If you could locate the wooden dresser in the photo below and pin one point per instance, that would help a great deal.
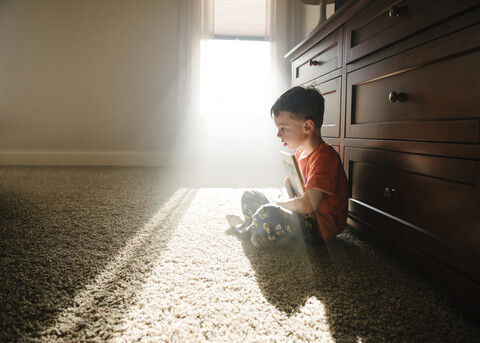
(401, 80)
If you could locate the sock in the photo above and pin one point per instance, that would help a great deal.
(233, 220)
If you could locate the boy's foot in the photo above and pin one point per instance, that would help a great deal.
(233, 220)
(262, 241)
(259, 241)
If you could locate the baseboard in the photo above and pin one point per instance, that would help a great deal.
(84, 158)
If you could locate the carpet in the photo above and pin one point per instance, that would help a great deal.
(144, 255)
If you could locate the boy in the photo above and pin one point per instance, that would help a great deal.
(321, 213)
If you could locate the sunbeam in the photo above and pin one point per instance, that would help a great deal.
(110, 293)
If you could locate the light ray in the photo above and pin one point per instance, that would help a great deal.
(115, 276)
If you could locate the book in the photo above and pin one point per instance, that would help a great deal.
(297, 187)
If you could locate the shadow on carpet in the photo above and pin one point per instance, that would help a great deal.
(368, 294)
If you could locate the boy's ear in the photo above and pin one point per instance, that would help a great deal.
(308, 125)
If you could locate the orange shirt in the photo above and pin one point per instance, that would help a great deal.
(323, 169)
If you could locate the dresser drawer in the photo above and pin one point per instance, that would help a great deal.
(331, 91)
(382, 23)
(431, 197)
(429, 97)
(323, 58)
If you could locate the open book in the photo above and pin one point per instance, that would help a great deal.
(293, 172)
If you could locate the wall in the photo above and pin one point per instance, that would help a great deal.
(83, 82)
(308, 17)
(93, 82)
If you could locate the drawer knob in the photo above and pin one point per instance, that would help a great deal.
(390, 193)
(395, 11)
(314, 63)
(394, 97)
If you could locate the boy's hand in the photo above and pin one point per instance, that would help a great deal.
(284, 195)
(287, 186)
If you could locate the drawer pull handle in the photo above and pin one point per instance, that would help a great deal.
(314, 63)
(390, 193)
(396, 11)
(394, 97)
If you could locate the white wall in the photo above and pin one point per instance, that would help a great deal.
(92, 82)
(86, 76)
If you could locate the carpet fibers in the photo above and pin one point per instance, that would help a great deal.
(127, 255)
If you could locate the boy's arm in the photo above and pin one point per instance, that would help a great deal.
(305, 204)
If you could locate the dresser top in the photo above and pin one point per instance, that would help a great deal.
(322, 30)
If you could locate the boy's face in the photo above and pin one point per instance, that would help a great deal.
(290, 130)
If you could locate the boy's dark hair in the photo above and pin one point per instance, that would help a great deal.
(303, 103)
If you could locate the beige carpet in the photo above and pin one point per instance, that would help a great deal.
(127, 254)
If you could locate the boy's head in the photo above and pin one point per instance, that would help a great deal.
(302, 103)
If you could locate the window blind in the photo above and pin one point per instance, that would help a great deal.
(243, 19)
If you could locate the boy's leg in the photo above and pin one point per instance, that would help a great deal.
(251, 201)
(273, 225)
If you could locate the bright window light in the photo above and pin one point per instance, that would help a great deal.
(234, 78)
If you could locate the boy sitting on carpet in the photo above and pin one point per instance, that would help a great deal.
(321, 213)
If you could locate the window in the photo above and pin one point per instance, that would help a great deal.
(247, 19)
(235, 63)
(235, 75)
